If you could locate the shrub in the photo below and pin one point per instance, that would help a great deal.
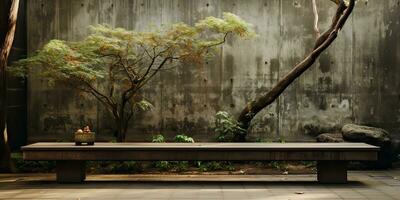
(227, 127)
(158, 139)
(183, 139)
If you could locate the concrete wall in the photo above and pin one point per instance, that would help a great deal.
(356, 80)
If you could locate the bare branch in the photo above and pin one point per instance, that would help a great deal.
(341, 8)
(152, 63)
(154, 72)
(145, 50)
(108, 100)
(315, 12)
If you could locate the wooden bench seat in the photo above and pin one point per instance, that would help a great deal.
(331, 158)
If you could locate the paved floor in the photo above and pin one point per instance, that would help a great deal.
(378, 185)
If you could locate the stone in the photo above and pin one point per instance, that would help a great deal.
(320, 127)
(330, 137)
(374, 136)
(370, 135)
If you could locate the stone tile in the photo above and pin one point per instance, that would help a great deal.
(378, 185)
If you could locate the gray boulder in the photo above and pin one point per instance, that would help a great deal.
(374, 136)
(370, 135)
(330, 137)
(317, 128)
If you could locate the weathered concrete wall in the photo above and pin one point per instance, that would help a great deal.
(356, 80)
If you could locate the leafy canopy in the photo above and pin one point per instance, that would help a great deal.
(126, 60)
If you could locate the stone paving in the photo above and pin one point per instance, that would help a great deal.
(379, 185)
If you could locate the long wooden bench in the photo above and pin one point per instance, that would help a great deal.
(331, 158)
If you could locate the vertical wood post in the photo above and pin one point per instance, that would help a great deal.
(332, 171)
(71, 171)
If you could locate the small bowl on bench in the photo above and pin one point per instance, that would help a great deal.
(84, 137)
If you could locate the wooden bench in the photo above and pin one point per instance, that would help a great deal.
(331, 158)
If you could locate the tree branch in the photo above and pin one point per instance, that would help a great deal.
(315, 12)
(341, 8)
(152, 63)
(322, 43)
(143, 82)
(221, 42)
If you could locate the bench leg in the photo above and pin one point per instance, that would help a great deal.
(332, 171)
(70, 171)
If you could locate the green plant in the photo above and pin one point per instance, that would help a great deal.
(168, 165)
(281, 139)
(105, 167)
(163, 165)
(227, 127)
(183, 139)
(125, 61)
(181, 166)
(31, 166)
(214, 166)
(176, 165)
(158, 139)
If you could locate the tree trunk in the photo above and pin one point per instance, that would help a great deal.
(321, 44)
(121, 128)
(5, 153)
(121, 131)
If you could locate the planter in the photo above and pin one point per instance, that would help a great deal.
(88, 138)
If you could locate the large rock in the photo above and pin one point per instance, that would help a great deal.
(330, 137)
(373, 136)
(370, 135)
(317, 128)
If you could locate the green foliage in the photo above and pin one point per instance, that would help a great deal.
(229, 24)
(281, 139)
(172, 165)
(106, 167)
(115, 54)
(215, 166)
(158, 139)
(181, 166)
(31, 166)
(144, 105)
(163, 165)
(226, 127)
(183, 139)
